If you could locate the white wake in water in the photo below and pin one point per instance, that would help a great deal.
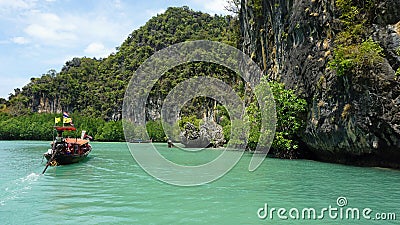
(17, 188)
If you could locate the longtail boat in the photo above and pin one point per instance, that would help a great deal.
(67, 150)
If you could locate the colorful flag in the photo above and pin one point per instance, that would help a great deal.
(65, 115)
(57, 120)
(67, 120)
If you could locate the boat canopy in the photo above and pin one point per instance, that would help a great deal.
(69, 128)
(76, 141)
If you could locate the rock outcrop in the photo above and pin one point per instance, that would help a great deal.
(210, 134)
(352, 119)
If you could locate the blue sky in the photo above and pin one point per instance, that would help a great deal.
(39, 35)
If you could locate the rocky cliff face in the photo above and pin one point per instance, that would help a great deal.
(352, 119)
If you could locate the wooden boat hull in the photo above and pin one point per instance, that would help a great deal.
(65, 159)
(67, 150)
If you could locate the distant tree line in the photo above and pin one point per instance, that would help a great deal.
(39, 126)
(93, 89)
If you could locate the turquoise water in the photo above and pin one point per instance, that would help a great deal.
(110, 188)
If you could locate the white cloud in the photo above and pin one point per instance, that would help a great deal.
(97, 49)
(155, 12)
(94, 48)
(213, 6)
(98, 27)
(49, 35)
(73, 30)
(48, 32)
(16, 4)
(20, 40)
(49, 29)
(118, 4)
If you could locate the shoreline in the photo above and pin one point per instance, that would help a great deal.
(351, 161)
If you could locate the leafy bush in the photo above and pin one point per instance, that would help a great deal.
(189, 119)
(356, 56)
(156, 131)
(111, 131)
(353, 50)
(290, 111)
(39, 126)
(349, 12)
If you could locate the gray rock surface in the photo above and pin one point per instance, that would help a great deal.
(351, 119)
(209, 135)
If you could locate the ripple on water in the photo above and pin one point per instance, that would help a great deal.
(17, 188)
(110, 188)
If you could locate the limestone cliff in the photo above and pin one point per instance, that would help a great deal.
(352, 119)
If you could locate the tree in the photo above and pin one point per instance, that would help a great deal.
(290, 112)
(233, 6)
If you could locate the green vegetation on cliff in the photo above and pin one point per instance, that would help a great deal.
(290, 113)
(93, 89)
(354, 51)
(96, 87)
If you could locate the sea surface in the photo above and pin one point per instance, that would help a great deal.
(111, 188)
